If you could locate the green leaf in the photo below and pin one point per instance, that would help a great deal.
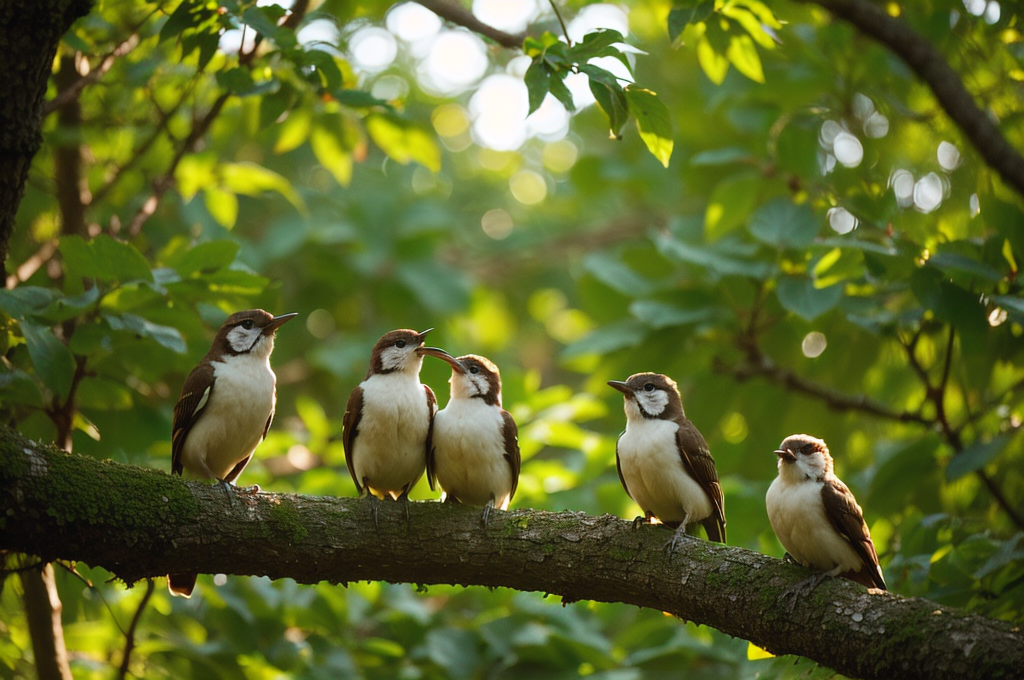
(53, 361)
(274, 104)
(257, 18)
(79, 258)
(18, 387)
(730, 203)
(724, 156)
(435, 286)
(120, 261)
(237, 81)
(743, 54)
(596, 44)
(784, 224)
(251, 179)
(330, 151)
(181, 19)
(664, 315)
(222, 206)
(607, 339)
(453, 650)
(713, 62)
(404, 142)
(538, 82)
(963, 263)
(799, 295)
(25, 300)
(707, 257)
(617, 275)
(562, 93)
(64, 308)
(686, 13)
(653, 121)
(205, 257)
(164, 335)
(975, 457)
(609, 95)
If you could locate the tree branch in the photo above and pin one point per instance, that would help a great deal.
(138, 523)
(43, 609)
(72, 89)
(928, 63)
(457, 14)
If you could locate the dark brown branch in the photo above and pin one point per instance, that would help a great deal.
(139, 523)
(759, 365)
(129, 643)
(72, 89)
(928, 63)
(457, 14)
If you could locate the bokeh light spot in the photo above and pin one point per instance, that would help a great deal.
(320, 323)
(814, 344)
(528, 187)
(841, 220)
(372, 49)
(496, 223)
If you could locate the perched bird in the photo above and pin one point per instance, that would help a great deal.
(389, 420)
(663, 461)
(475, 453)
(226, 407)
(816, 517)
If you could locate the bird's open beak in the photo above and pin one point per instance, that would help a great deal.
(786, 455)
(422, 335)
(621, 387)
(443, 356)
(277, 322)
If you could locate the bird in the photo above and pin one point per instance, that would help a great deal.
(816, 517)
(226, 407)
(663, 461)
(389, 421)
(475, 454)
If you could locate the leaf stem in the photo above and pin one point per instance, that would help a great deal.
(561, 21)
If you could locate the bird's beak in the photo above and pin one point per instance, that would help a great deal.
(621, 387)
(786, 455)
(422, 335)
(443, 356)
(277, 322)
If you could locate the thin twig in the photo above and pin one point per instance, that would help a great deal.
(561, 21)
(70, 93)
(997, 493)
(129, 644)
(457, 14)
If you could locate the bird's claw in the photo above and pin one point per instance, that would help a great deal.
(374, 509)
(804, 588)
(486, 513)
(678, 535)
(639, 521)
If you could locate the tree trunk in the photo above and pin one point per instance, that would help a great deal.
(29, 33)
(137, 523)
(42, 610)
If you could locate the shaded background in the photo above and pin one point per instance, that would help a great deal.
(822, 233)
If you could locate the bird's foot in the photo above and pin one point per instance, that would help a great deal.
(487, 511)
(374, 509)
(805, 588)
(404, 500)
(677, 536)
(789, 559)
(639, 521)
(248, 490)
(230, 490)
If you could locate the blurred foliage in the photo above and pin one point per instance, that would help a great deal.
(829, 224)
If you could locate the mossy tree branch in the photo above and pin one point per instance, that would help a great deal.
(139, 523)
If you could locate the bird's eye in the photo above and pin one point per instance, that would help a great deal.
(400, 344)
(649, 387)
(474, 370)
(807, 448)
(247, 324)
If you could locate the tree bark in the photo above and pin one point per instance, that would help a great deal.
(29, 33)
(138, 523)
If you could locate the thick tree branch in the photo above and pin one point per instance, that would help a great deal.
(139, 523)
(928, 63)
(454, 12)
(42, 610)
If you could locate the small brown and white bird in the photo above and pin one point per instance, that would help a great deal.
(663, 461)
(389, 420)
(226, 407)
(816, 517)
(475, 454)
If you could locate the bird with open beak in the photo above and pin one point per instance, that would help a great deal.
(663, 461)
(226, 407)
(389, 421)
(816, 517)
(475, 454)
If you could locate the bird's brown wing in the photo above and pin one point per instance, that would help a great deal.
(432, 410)
(848, 519)
(511, 434)
(618, 467)
(696, 458)
(195, 394)
(353, 414)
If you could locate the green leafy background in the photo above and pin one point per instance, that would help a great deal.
(700, 244)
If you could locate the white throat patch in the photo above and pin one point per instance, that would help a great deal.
(395, 358)
(652, 403)
(245, 339)
(467, 385)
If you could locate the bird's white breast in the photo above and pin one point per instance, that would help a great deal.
(654, 473)
(469, 452)
(390, 448)
(797, 514)
(231, 425)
